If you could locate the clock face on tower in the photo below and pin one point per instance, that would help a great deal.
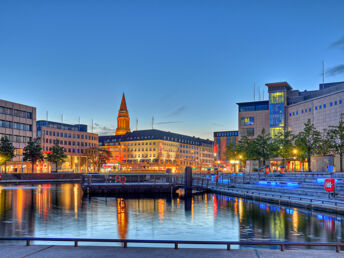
(123, 120)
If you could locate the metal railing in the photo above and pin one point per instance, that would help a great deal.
(176, 243)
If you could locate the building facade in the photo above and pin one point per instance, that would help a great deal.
(73, 138)
(222, 140)
(158, 150)
(289, 109)
(253, 118)
(18, 123)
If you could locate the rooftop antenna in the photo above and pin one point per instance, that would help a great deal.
(62, 118)
(263, 94)
(323, 73)
(92, 125)
(79, 123)
(47, 115)
(259, 92)
(137, 124)
(254, 91)
(152, 122)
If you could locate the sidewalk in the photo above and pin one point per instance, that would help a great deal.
(134, 252)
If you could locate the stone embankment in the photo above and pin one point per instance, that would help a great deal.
(294, 189)
(32, 178)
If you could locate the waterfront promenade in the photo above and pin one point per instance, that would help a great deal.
(134, 252)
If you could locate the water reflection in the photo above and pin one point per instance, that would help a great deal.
(50, 210)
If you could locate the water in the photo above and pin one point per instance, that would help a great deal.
(60, 210)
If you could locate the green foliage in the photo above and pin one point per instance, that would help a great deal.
(284, 141)
(231, 152)
(6, 151)
(264, 147)
(57, 155)
(97, 157)
(33, 152)
(307, 141)
(336, 140)
(324, 145)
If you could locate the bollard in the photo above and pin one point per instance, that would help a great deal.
(337, 248)
(75, 243)
(228, 247)
(175, 245)
(27, 242)
(282, 248)
(125, 245)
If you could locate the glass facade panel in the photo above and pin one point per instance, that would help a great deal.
(277, 112)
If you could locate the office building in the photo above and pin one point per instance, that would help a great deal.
(18, 123)
(74, 138)
(222, 141)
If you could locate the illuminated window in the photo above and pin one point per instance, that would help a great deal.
(247, 121)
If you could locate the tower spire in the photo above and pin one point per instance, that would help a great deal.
(123, 103)
(123, 120)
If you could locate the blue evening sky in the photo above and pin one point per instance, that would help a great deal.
(186, 62)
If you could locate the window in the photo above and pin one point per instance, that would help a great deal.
(306, 110)
(302, 111)
(335, 103)
(316, 108)
(297, 112)
(289, 114)
(247, 121)
(310, 109)
(324, 105)
(320, 107)
(293, 113)
(331, 104)
(248, 132)
(340, 101)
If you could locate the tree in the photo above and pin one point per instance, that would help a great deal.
(97, 157)
(284, 145)
(231, 152)
(6, 151)
(57, 155)
(324, 145)
(307, 141)
(33, 152)
(264, 147)
(336, 137)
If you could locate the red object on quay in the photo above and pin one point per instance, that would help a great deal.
(329, 184)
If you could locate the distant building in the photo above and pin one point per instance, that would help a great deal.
(221, 141)
(18, 123)
(158, 150)
(73, 138)
(154, 149)
(290, 109)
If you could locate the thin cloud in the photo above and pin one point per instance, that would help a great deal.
(338, 44)
(178, 111)
(339, 69)
(169, 122)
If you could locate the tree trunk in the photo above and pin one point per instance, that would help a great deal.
(5, 167)
(341, 161)
(309, 163)
(32, 165)
(56, 167)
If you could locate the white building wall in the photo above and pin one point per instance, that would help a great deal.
(322, 117)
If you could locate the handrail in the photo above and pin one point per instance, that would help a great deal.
(175, 242)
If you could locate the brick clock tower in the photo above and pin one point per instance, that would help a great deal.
(123, 120)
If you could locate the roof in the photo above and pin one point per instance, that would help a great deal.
(123, 103)
(154, 134)
(279, 84)
(260, 102)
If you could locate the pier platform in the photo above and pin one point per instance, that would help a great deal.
(10, 251)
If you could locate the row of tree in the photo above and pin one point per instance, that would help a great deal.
(33, 153)
(303, 145)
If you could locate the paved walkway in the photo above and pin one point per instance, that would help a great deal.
(134, 252)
